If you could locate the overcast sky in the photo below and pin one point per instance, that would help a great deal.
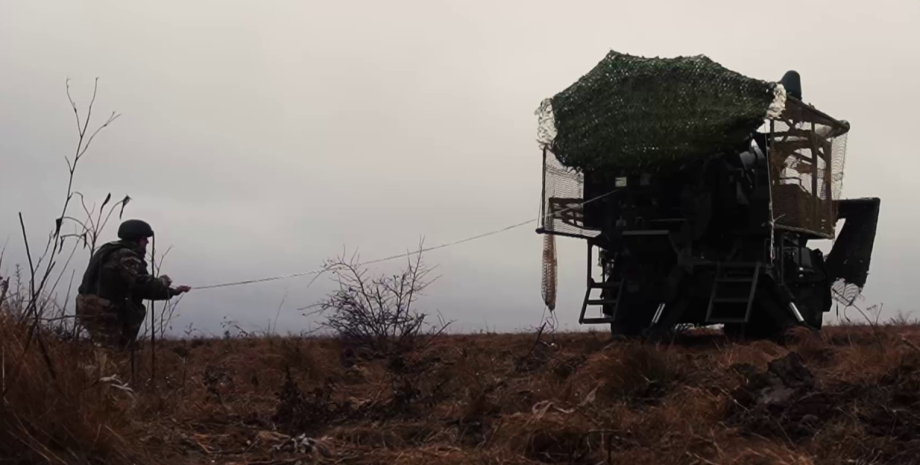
(259, 138)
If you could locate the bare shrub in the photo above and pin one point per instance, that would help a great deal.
(378, 313)
(903, 319)
(53, 406)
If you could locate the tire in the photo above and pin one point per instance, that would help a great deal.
(625, 330)
(768, 320)
(812, 301)
(633, 321)
(815, 319)
(733, 330)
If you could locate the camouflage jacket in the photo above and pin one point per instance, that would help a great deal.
(117, 272)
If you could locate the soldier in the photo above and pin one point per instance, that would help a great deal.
(116, 282)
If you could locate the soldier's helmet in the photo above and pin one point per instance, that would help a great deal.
(134, 229)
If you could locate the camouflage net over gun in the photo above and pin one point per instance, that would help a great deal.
(631, 113)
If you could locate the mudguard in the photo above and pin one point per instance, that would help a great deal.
(848, 262)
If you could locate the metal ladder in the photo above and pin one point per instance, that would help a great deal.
(733, 292)
(611, 287)
(612, 298)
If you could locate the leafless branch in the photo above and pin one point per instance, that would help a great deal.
(109, 121)
(40, 269)
(63, 269)
(377, 313)
(274, 328)
(89, 109)
(25, 239)
(87, 211)
(73, 104)
(872, 324)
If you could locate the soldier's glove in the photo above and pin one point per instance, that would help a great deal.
(174, 291)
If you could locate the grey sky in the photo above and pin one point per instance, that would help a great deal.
(261, 137)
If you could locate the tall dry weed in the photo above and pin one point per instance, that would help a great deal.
(72, 418)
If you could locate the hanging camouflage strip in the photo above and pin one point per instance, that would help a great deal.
(632, 112)
(549, 277)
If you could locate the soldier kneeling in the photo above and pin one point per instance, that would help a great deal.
(116, 282)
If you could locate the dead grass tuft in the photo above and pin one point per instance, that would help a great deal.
(72, 417)
(814, 399)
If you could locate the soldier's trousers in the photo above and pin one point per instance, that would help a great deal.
(110, 325)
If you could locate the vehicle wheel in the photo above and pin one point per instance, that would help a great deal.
(625, 330)
(733, 330)
(811, 306)
(768, 320)
(633, 321)
(815, 319)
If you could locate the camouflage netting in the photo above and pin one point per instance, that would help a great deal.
(549, 278)
(807, 152)
(630, 112)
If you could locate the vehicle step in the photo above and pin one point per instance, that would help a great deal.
(606, 285)
(729, 300)
(734, 280)
(592, 321)
(737, 265)
(725, 320)
(602, 301)
(645, 232)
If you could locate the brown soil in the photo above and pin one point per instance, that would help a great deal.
(850, 395)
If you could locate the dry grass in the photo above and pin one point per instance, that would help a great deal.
(572, 398)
